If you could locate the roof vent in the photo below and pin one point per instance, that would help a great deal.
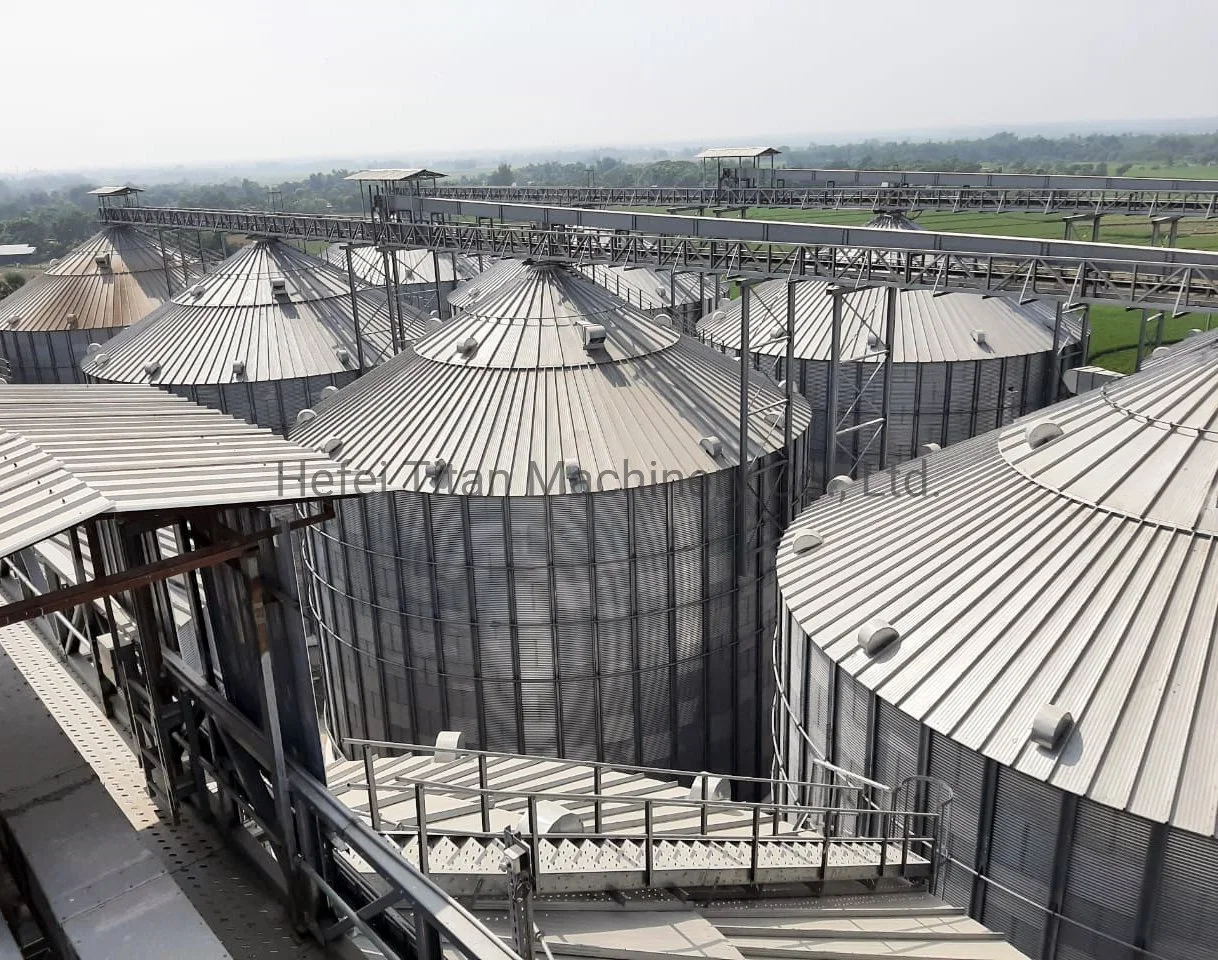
(196, 291)
(474, 293)
(344, 355)
(448, 745)
(665, 318)
(707, 786)
(467, 346)
(805, 540)
(1160, 351)
(979, 337)
(1041, 433)
(1196, 331)
(101, 359)
(92, 349)
(712, 445)
(665, 294)
(102, 260)
(279, 287)
(873, 340)
(408, 272)
(434, 315)
(436, 469)
(73, 321)
(926, 448)
(573, 470)
(876, 635)
(238, 368)
(331, 444)
(327, 392)
(594, 336)
(14, 320)
(552, 818)
(305, 416)
(718, 316)
(1051, 725)
(152, 367)
(838, 483)
(778, 332)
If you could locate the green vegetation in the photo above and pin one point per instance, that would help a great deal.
(10, 282)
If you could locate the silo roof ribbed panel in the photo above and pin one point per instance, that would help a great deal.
(651, 288)
(486, 283)
(414, 266)
(893, 220)
(929, 328)
(112, 448)
(1081, 573)
(81, 292)
(524, 396)
(235, 316)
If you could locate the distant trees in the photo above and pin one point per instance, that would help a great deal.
(10, 282)
(502, 177)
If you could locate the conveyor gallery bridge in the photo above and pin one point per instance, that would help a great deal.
(1067, 271)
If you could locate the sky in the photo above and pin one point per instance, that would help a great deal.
(146, 82)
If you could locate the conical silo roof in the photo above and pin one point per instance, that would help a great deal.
(237, 323)
(113, 279)
(646, 287)
(497, 275)
(507, 393)
(414, 266)
(929, 328)
(1067, 560)
(893, 220)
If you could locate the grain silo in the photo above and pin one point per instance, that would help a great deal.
(1030, 616)
(260, 337)
(567, 558)
(116, 277)
(423, 278)
(683, 296)
(962, 364)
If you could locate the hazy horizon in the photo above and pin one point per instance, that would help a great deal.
(146, 85)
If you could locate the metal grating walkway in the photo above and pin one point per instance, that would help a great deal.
(226, 891)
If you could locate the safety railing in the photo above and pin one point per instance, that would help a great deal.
(885, 837)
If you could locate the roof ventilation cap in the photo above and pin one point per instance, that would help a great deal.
(344, 355)
(1051, 725)
(305, 416)
(1160, 351)
(448, 745)
(665, 318)
(927, 448)
(873, 340)
(279, 287)
(238, 367)
(102, 260)
(712, 445)
(92, 349)
(331, 444)
(707, 786)
(839, 483)
(152, 367)
(552, 818)
(876, 635)
(665, 294)
(467, 346)
(327, 392)
(594, 336)
(1196, 331)
(434, 315)
(408, 272)
(436, 469)
(1041, 433)
(73, 321)
(196, 291)
(718, 316)
(573, 470)
(101, 359)
(778, 332)
(474, 293)
(978, 337)
(805, 540)
(14, 320)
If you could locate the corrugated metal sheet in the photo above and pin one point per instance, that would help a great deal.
(415, 267)
(232, 316)
(396, 173)
(140, 449)
(929, 328)
(646, 287)
(97, 296)
(529, 396)
(1081, 574)
(490, 281)
(710, 153)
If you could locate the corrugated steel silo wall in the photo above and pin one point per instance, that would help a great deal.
(930, 403)
(49, 356)
(1060, 876)
(604, 625)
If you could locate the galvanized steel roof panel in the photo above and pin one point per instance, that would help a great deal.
(1082, 573)
(711, 153)
(396, 173)
(72, 451)
(78, 292)
(530, 397)
(414, 266)
(233, 316)
(929, 328)
(646, 286)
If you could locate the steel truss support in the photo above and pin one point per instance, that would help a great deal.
(1149, 320)
(1172, 223)
(1079, 218)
